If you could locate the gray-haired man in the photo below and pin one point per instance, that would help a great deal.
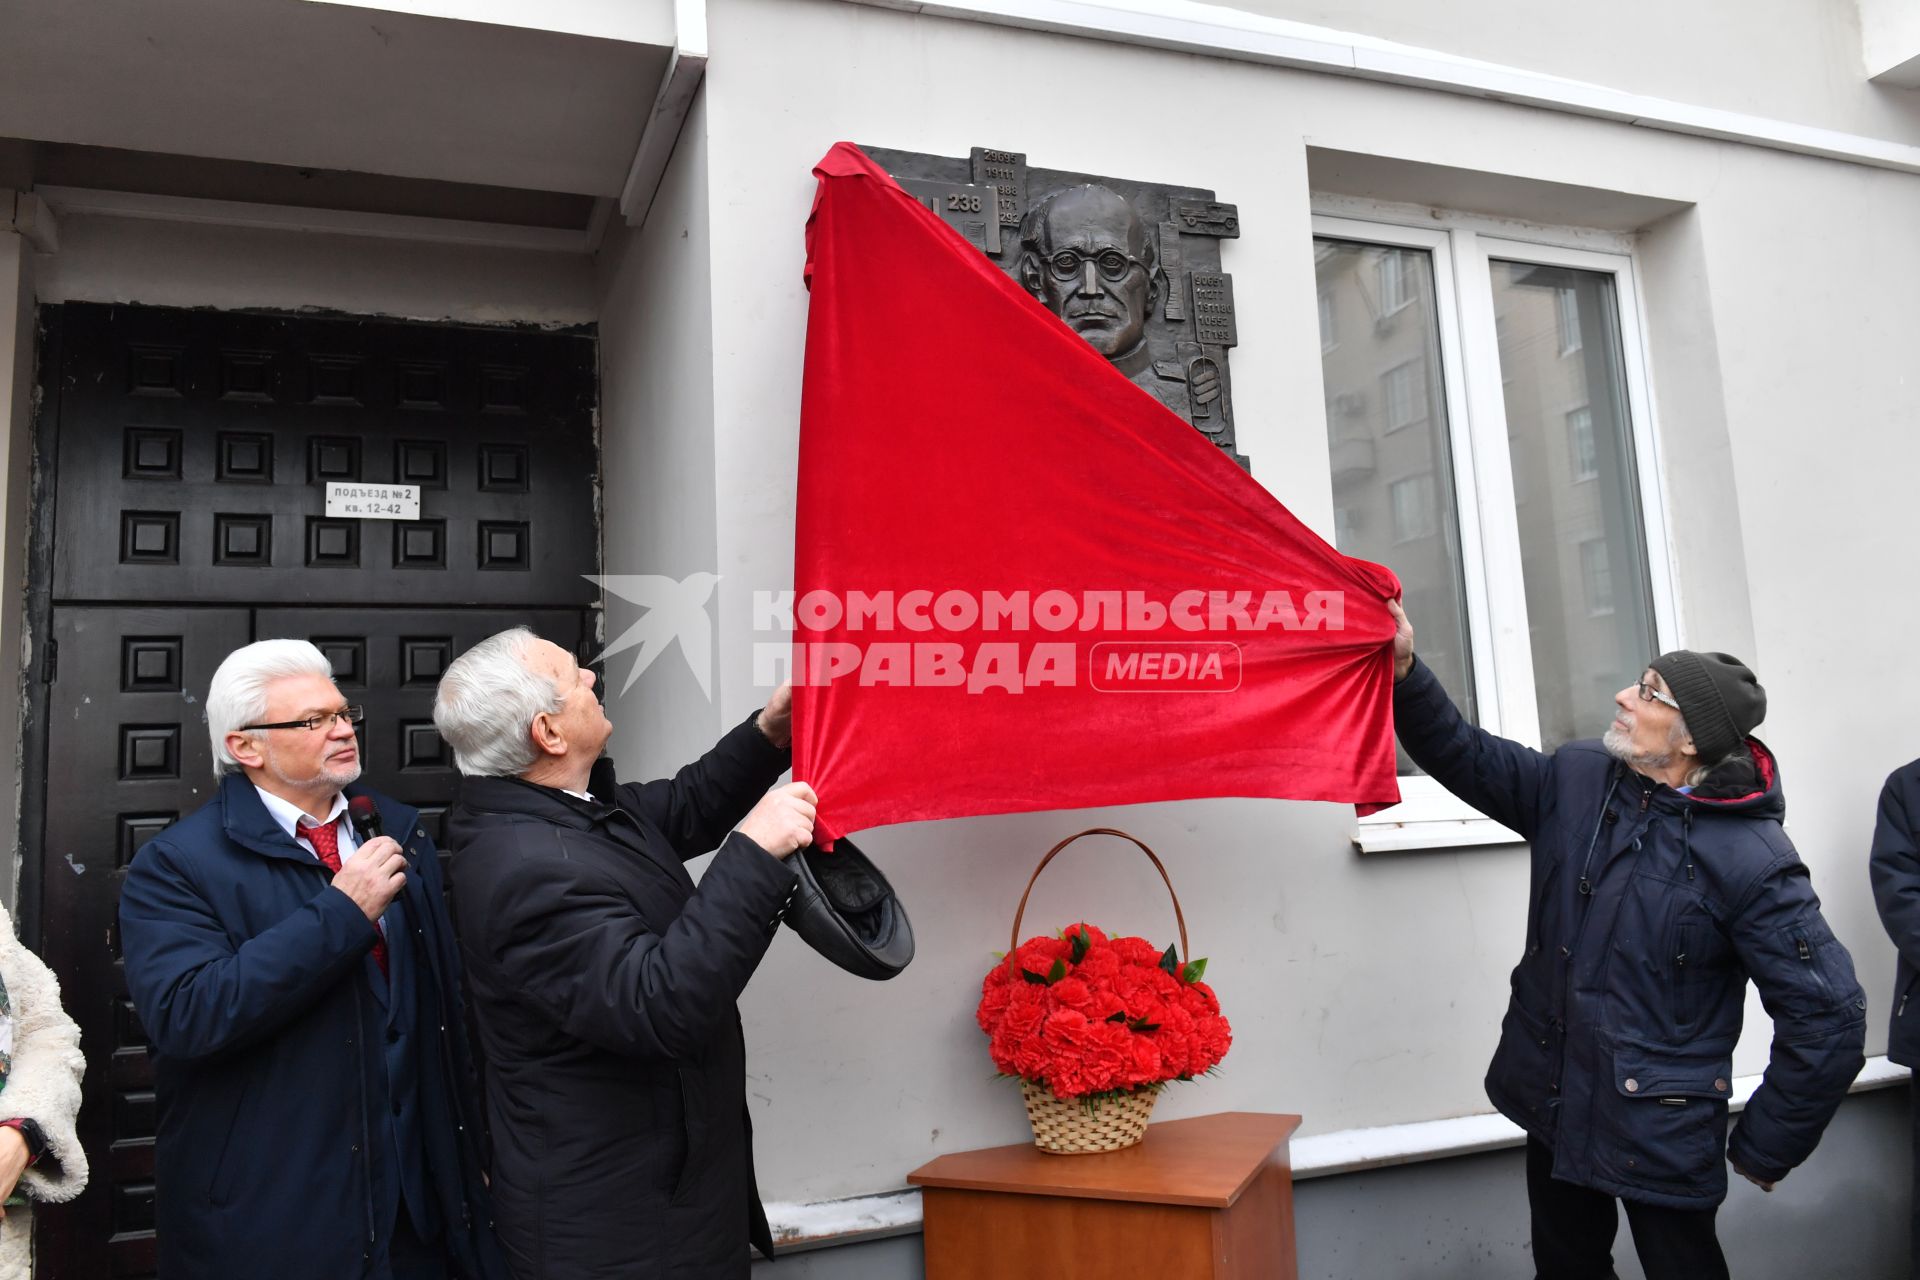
(301, 991)
(604, 983)
(1661, 883)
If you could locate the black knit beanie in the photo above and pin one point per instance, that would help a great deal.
(1718, 695)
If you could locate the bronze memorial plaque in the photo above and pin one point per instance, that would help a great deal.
(1133, 267)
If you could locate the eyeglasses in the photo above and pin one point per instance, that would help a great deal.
(325, 720)
(1112, 264)
(1650, 694)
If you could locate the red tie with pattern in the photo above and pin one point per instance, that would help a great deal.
(326, 843)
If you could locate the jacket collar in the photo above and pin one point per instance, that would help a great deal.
(1765, 800)
(247, 823)
(550, 804)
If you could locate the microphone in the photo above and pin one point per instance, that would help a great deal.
(365, 817)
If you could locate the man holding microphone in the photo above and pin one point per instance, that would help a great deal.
(297, 979)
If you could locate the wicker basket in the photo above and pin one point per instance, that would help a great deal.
(1074, 1126)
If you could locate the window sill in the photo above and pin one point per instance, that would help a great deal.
(1446, 833)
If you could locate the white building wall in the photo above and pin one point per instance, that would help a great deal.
(1798, 60)
(1364, 991)
(659, 502)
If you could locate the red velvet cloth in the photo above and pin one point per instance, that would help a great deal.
(957, 437)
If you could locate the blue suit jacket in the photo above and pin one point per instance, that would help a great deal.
(298, 1091)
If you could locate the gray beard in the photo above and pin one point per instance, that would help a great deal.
(337, 779)
(1621, 748)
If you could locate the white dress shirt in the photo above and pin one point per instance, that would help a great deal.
(294, 821)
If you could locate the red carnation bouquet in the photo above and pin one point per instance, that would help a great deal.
(1091, 1017)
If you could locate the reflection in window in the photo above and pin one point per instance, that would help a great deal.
(1596, 575)
(1329, 336)
(1568, 305)
(1414, 514)
(1389, 441)
(1391, 267)
(1582, 552)
(1582, 448)
(1404, 388)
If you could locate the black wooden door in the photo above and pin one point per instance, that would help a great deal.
(129, 755)
(191, 450)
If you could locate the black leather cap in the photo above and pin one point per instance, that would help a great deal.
(845, 909)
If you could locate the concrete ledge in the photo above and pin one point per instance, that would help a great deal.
(799, 1226)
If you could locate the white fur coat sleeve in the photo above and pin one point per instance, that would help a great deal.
(44, 1085)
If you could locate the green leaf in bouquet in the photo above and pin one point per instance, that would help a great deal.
(1194, 971)
(1118, 1016)
(1142, 1025)
(1056, 973)
(1031, 976)
(1081, 941)
(1170, 960)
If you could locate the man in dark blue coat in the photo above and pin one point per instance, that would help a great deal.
(301, 993)
(1661, 882)
(604, 982)
(1896, 891)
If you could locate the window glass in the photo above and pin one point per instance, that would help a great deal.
(1387, 428)
(1582, 552)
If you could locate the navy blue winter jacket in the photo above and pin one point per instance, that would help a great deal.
(274, 1054)
(1648, 911)
(1896, 891)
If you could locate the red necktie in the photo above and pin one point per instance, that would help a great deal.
(326, 843)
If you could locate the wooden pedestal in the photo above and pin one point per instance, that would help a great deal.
(1209, 1198)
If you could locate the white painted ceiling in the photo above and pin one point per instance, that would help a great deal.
(334, 86)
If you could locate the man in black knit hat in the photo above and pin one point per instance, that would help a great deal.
(1661, 883)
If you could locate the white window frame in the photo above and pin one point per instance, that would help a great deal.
(1463, 247)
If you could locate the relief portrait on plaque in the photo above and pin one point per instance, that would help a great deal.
(1132, 267)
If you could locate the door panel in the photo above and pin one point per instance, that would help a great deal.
(128, 754)
(195, 448)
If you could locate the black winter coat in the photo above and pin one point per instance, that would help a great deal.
(1896, 891)
(604, 987)
(1648, 911)
(251, 975)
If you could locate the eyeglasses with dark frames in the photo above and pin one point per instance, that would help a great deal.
(353, 714)
(1650, 694)
(1112, 264)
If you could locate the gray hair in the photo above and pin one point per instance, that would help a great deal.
(486, 702)
(238, 694)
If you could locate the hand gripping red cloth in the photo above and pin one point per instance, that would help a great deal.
(964, 453)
